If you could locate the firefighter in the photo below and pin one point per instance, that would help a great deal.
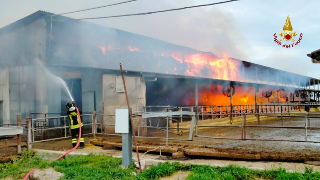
(74, 124)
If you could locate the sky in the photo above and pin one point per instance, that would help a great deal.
(243, 29)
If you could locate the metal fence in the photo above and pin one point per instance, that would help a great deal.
(46, 128)
(54, 128)
(305, 118)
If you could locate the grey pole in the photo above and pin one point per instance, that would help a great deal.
(127, 147)
(167, 135)
(255, 99)
(231, 104)
(196, 104)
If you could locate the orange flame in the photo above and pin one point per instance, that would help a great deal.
(133, 48)
(281, 96)
(198, 64)
(103, 49)
(244, 99)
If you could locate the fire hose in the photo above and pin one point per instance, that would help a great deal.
(26, 177)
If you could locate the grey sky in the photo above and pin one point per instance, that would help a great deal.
(242, 29)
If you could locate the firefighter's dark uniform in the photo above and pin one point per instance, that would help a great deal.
(74, 125)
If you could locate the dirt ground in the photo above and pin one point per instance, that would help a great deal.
(218, 148)
(234, 147)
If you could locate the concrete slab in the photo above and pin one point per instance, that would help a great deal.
(8, 131)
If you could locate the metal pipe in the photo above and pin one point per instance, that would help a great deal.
(167, 135)
(196, 106)
(65, 127)
(131, 120)
(94, 124)
(231, 105)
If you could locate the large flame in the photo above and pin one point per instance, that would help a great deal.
(202, 64)
(197, 64)
(209, 95)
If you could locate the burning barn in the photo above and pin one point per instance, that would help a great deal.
(42, 50)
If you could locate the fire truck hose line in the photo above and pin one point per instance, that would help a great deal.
(26, 177)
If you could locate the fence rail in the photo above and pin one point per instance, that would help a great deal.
(38, 128)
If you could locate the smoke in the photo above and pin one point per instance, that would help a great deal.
(206, 30)
(51, 78)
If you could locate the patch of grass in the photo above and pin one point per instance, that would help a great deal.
(92, 167)
(106, 167)
(20, 166)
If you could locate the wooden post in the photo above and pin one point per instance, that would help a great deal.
(29, 128)
(219, 111)
(19, 135)
(94, 127)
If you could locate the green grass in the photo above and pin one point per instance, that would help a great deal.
(106, 167)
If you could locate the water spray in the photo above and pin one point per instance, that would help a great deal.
(79, 137)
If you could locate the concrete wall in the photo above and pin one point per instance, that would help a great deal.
(4, 96)
(113, 100)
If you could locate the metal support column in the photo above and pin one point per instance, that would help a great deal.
(167, 133)
(256, 99)
(196, 106)
(127, 147)
(274, 100)
(231, 105)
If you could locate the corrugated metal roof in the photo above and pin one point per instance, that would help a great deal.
(41, 14)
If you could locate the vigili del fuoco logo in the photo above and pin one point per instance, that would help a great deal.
(287, 35)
